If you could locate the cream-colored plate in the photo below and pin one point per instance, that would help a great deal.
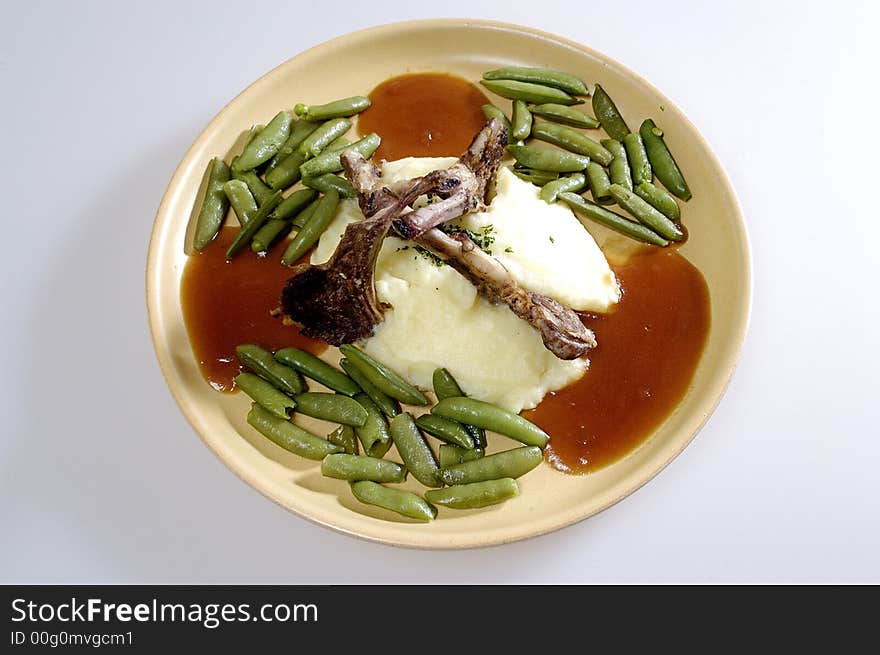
(354, 64)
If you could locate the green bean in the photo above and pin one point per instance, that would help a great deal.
(599, 183)
(262, 363)
(331, 407)
(490, 417)
(308, 236)
(373, 434)
(298, 134)
(574, 182)
(645, 213)
(548, 159)
(339, 144)
(546, 76)
(286, 172)
(266, 143)
(618, 169)
(506, 464)
(402, 502)
(323, 136)
(241, 199)
(317, 369)
(446, 386)
(470, 496)
(663, 162)
(383, 401)
(252, 134)
(259, 189)
(380, 448)
(638, 159)
(360, 467)
(336, 109)
(343, 436)
(451, 455)
(612, 221)
(529, 92)
(279, 219)
(521, 121)
(445, 429)
(269, 233)
(331, 161)
(414, 450)
(305, 215)
(388, 380)
(535, 176)
(608, 115)
(247, 233)
(294, 204)
(490, 111)
(290, 436)
(660, 199)
(564, 115)
(215, 204)
(327, 181)
(571, 140)
(264, 394)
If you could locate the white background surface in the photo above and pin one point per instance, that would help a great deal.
(101, 478)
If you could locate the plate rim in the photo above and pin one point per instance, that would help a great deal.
(163, 215)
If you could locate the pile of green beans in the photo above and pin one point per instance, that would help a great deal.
(362, 400)
(302, 146)
(617, 170)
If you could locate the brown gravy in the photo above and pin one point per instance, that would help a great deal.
(226, 304)
(423, 115)
(649, 347)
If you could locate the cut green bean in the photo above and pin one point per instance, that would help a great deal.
(521, 121)
(645, 213)
(660, 199)
(265, 394)
(337, 109)
(638, 159)
(259, 189)
(470, 496)
(323, 136)
(599, 183)
(618, 169)
(506, 464)
(535, 176)
(662, 161)
(262, 363)
(289, 436)
(264, 145)
(414, 450)
(446, 386)
(451, 455)
(305, 215)
(241, 199)
(490, 111)
(548, 159)
(342, 466)
(611, 220)
(402, 502)
(491, 417)
(245, 234)
(546, 76)
(571, 140)
(373, 434)
(280, 219)
(386, 403)
(215, 204)
(389, 381)
(267, 235)
(298, 133)
(327, 181)
(287, 172)
(331, 407)
(294, 204)
(574, 182)
(609, 116)
(331, 161)
(565, 115)
(344, 437)
(308, 236)
(318, 370)
(446, 430)
(530, 92)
